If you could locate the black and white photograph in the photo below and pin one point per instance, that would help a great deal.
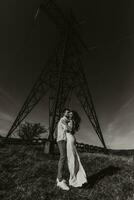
(66, 100)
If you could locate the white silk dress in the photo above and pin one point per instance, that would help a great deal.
(77, 172)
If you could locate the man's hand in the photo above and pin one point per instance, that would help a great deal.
(65, 126)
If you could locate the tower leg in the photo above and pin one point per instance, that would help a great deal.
(85, 98)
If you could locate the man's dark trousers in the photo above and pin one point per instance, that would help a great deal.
(63, 158)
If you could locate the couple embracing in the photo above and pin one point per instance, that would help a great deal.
(67, 126)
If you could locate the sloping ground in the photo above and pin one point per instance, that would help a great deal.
(26, 173)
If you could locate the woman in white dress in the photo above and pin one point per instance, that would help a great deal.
(77, 172)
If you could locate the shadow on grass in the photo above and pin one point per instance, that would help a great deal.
(95, 178)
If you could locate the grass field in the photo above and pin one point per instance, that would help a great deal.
(26, 173)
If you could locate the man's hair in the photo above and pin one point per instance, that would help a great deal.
(65, 109)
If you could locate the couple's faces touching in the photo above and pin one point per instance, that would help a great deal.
(68, 114)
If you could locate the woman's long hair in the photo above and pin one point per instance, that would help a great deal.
(77, 120)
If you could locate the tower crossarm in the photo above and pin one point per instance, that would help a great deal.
(54, 12)
(62, 21)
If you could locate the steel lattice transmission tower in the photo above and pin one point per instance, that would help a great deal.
(62, 74)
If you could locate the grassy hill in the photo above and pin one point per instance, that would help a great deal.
(26, 173)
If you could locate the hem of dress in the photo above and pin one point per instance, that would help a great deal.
(78, 185)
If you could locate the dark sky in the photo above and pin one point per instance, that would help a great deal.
(25, 46)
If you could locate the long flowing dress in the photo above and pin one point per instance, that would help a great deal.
(77, 172)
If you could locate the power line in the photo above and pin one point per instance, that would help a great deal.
(111, 43)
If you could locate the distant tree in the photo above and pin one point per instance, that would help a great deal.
(30, 131)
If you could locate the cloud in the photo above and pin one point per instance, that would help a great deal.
(120, 132)
(4, 95)
(5, 117)
(3, 132)
(125, 142)
(5, 122)
(7, 104)
(127, 104)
